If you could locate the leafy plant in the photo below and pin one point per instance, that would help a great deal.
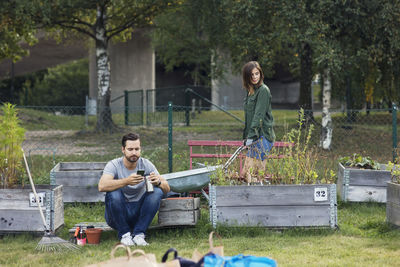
(288, 165)
(296, 164)
(395, 171)
(11, 137)
(359, 161)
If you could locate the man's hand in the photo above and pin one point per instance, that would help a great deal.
(154, 179)
(134, 179)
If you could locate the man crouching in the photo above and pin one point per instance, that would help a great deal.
(130, 208)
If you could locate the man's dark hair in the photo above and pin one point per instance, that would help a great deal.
(129, 136)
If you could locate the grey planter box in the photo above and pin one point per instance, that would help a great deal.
(274, 205)
(80, 180)
(179, 211)
(18, 215)
(358, 185)
(393, 203)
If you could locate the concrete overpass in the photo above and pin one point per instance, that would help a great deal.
(132, 63)
(133, 67)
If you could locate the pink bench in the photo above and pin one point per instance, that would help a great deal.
(212, 143)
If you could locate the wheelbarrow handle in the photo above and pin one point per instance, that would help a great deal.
(233, 157)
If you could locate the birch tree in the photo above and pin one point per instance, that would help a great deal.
(102, 21)
(326, 131)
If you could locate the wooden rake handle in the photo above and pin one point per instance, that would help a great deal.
(34, 190)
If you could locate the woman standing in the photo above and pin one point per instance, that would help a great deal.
(258, 134)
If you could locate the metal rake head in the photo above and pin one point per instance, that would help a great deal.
(52, 243)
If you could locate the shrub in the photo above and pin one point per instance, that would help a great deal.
(11, 137)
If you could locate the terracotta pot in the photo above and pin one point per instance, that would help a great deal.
(93, 235)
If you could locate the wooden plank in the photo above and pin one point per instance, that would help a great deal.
(365, 177)
(275, 216)
(82, 194)
(366, 194)
(176, 218)
(393, 213)
(340, 182)
(369, 177)
(393, 193)
(58, 208)
(15, 204)
(13, 220)
(76, 179)
(102, 225)
(76, 166)
(269, 195)
(176, 204)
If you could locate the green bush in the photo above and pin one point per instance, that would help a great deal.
(63, 85)
(11, 137)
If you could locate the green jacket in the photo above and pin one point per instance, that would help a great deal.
(258, 115)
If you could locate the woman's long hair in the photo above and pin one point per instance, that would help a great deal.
(246, 75)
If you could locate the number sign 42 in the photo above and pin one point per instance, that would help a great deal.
(320, 194)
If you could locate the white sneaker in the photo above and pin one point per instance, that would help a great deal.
(126, 239)
(139, 240)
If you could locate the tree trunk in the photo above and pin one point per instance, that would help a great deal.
(351, 115)
(326, 131)
(104, 118)
(306, 76)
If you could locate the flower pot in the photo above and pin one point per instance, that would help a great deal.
(93, 235)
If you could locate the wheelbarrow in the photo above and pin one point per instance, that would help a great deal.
(190, 180)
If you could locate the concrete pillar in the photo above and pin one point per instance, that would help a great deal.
(132, 68)
(228, 92)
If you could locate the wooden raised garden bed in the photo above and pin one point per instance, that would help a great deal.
(19, 212)
(393, 203)
(80, 180)
(274, 205)
(179, 211)
(362, 185)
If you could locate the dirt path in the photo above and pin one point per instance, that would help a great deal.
(59, 142)
(68, 142)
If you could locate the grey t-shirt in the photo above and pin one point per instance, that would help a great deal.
(117, 169)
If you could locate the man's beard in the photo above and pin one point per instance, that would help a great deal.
(132, 159)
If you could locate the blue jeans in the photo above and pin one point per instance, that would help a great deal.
(134, 217)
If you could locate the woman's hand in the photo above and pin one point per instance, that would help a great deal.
(248, 142)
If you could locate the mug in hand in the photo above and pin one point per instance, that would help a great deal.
(149, 185)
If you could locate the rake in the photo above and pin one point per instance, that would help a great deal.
(49, 242)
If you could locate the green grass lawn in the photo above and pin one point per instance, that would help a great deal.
(362, 239)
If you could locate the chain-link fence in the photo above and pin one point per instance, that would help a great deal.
(72, 133)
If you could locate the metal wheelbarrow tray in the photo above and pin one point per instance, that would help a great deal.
(190, 180)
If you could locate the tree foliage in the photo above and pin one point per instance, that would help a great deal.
(187, 34)
(358, 41)
(102, 21)
(15, 29)
(63, 85)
